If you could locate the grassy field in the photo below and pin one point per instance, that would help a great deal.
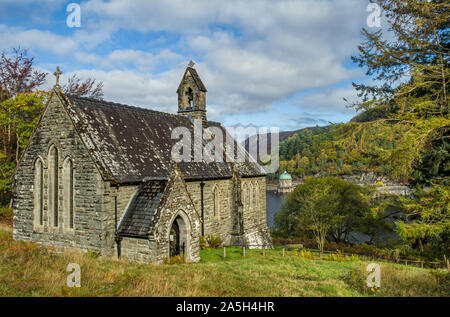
(29, 270)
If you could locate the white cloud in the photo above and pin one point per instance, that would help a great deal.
(328, 101)
(37, 39)
(132, 88)
(140, 60)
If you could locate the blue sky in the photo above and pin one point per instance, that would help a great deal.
(265, 63)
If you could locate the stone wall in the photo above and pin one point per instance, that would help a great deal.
(256, 233)
(221, 224)
(57, 129)
(124, 196)
(227, 223)
(138, 250)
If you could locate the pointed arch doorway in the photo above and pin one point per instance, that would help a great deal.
(179, 237)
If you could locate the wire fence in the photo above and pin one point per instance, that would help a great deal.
(417, 263)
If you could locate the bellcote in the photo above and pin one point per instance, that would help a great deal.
(192, 94)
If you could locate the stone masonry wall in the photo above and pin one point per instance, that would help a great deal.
(138, 250)
(256, 233)
(56, 128)
(254, 215)
(124, 195)
(221, 224)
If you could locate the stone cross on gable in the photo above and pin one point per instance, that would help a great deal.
(57, 74)
(191, 64)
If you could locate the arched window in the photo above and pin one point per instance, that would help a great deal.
(216, 202)
(250, 195)
(247, 194)
(38, 193)
(244, 195)
(190, 94)
(255, 195)
(53, 185)
(68, 193)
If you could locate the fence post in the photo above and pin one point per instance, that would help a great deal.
(243, 251)
(224, 252)
(263, 251)
(421, 264)
(283, 252)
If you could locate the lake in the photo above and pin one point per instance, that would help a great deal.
(273, 204)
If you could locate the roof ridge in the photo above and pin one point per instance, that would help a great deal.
(117, 104)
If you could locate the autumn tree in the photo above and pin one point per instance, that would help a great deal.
(17, 73)
(84, 88)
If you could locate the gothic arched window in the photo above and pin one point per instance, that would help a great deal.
(255, 195)
(216, 202)
(38, 193)
(248, 195)
(53, 184)
(244, 195)
(68, 193)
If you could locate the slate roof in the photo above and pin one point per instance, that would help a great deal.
(140, 213)
(130, 143)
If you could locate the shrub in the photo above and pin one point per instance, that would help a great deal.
(177, 259)
(340, 257)
(214, 241)
(306, 255)
(210, 242)
(203, 244)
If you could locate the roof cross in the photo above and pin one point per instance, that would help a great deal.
(191, 64)
(57, 74)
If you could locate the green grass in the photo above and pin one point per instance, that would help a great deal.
(29, 270)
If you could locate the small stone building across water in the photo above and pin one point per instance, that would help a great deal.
(99, 176)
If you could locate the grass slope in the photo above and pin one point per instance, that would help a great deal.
(29, 270)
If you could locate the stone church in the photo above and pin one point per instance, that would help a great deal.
(99, 176)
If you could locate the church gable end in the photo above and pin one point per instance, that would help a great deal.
(54, 171)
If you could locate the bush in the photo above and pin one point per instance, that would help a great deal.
(203, 244)
(210, 242)
(340, 257)
(177, 259)
(306, 255)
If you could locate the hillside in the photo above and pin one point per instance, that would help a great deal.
(28, 270)
(409, 150)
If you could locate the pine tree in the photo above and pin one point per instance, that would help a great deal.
(418, 52)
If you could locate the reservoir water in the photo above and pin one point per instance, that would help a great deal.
(273, 204)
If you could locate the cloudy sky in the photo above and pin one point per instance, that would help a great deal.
(267, 63)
